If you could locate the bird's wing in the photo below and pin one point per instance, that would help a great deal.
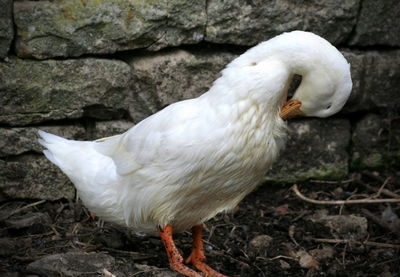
(177, 134)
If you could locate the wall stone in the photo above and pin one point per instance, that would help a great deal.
(376, 143)
(315, 149)
(16, 141)
(90, 69)
(37, 91)
(70, 28)
(163, 78)
(111, 128)
(34, 177)
(378, 24)
(376, 80)
(6, 27)
(250, 22)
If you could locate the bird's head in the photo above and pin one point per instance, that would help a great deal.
(317, 102)
(326, 81)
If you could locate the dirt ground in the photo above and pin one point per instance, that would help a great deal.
(272, 233)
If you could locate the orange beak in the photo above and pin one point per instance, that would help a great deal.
(291, 109)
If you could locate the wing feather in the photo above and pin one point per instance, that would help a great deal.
(170, 135)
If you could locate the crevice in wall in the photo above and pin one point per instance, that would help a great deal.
(206, 24)
(354, 29)
(377, 47)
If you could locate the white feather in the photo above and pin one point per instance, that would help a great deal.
(198, 157)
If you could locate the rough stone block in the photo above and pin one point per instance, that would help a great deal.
(111, 128)
(33, 177)
(378, 23)
(72, 264)
(36, 91)
(163, 78)
(70, 28)
(315, 149)
(16, 141)
(249, 22)
(376, 142)
(6, 27)
(376, 81)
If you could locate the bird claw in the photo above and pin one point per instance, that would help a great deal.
(198, 261)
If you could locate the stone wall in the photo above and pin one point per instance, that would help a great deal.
(86, 69)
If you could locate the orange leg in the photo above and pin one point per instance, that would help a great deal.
(174, 257)
(197, 257)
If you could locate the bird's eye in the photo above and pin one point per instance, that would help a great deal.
(328, 106)
(253, 64)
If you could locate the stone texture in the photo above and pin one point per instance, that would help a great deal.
(111, 128)
(249, 22)
(315, 149)
(378, 24)
(72, 264)
(33, 176)
(70, 28)
(349, 227)
(170, 76)
(35, 91)
(34, 223)
(376, 142)
(6, 27)
(376, 81)
(16, 141)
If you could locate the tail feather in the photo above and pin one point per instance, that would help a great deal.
(48, 138)
(55, 146)
(51, 157)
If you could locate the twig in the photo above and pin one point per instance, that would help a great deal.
(23, 208)
(134, 255)
(332, 182)
(282, 257)
(380, 222)
(383, 191)
(369, 243)
(342, 202)
(107, 273)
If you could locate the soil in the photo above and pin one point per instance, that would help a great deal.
(271, 233)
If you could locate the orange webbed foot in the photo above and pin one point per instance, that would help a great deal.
(197, 257)
(174, 257)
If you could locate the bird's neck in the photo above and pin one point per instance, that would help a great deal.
(263, 75)
(239, 89)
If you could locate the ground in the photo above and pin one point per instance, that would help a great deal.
(272, 233)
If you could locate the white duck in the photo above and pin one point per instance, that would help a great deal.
(196, 158)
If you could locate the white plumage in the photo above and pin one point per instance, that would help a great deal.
(199, 157)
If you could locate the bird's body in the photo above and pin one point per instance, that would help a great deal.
(199, 157)
(180, 166)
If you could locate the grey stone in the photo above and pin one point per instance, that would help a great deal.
(343, 226)
(36, 222)
(249, 22)
(111, 128)
(378, 24)
(33, 177)
(11, 246)
(261, 241)
(376, 142)
(169, 76)
(152, 271)
(376, 81)
(315, 149)
(72, 264)
(36, 91)
(67, 28)
(19, 140)
(324, 253)
(6, 27)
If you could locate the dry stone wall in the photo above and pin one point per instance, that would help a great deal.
(88, 69)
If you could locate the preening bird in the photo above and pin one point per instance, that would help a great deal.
(196, 158)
